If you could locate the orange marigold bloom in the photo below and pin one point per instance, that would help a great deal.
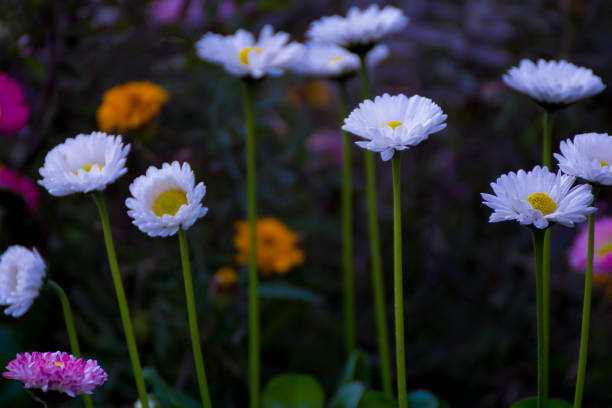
(131, 105)
(276, 246)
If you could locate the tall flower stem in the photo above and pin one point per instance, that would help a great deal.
(400, 352)
(538, 246)
(377, 277)
(347, 230)
(121, 300)
(249, 120)
(586, 311)
(193, 321)
(70, 328)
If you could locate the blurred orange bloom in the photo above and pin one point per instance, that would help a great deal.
(130, 106)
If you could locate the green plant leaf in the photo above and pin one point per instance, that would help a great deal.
(348, 395)
(532, 402)
(357, 369)
(376, 399)
(168, 395)
(287, 292)
(423, 399)
(293, 391)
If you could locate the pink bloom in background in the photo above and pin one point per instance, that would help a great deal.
(326, 145)
(14, 110)
(21, 186)
(57, 371)
(602, 260)
(169, 11)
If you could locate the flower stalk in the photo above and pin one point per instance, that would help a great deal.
(538, 246)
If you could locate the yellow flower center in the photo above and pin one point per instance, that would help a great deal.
(605, 249)
(335, 59)
(59, 364)
(88, 167)
(393, 124)
(604, 163)
(169, 202)
(542, 202)
(243, 55)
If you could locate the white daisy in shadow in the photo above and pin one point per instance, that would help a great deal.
(21, 275)
(588, 157)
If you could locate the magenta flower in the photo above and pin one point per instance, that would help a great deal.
(57, 371)
(21, 186)
(602, 261)
(14, 110)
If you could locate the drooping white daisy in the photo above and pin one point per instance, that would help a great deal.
(394, 122)
(539, 197)
(84, 164)
(165, 199)
(332, 61)
(556, 83)
(242, 55)
(21, 276)
(360, 30)
(587, 157)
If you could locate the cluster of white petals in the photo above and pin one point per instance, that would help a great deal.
(21, 276)
(587, 157)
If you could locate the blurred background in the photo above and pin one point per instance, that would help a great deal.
(469, 286)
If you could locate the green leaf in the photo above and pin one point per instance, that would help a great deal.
(168, 395)
(532, 402)
(357, 369)
(348, 395)
(423, 399)
(287, 292)
(293, 391)
(376, 399)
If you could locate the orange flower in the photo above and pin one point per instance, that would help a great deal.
(131, 105)
(276, 246)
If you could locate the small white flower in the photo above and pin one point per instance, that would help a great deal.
(21, 276)
(553, 82)
(330, 60)
(538, 198)
(83, 164)
(394, 122)
(360, 29)
(165, 199)
(587, 157)
(241, 55)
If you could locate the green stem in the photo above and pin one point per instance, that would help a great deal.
(121, 300)
(400, 353)
(193, 321)
(347, 231)
(538, 246)
(70, 328)
(249, 119)
(377, 276)
(586, 312)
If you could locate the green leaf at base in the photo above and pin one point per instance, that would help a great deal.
(376, 399)
(532, 402)
(293, 391)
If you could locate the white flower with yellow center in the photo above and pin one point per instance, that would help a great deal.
(360, 30)
(242, 55)
(393, 123)
(84, 164)
(556, 83)
(21, 276)
(329, 60)
(587, 157)
(539, 197)
(166, 199)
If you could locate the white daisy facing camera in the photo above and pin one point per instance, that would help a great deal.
(84, 164)
(587, 157)
(393, 123)
(164, 200)
(21, 276)
(538, 198)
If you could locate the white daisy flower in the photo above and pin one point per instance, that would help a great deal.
(21, 276)
(538, 198)
(394, 122)
(165, 199)
(557, 83)
(83, 164)
(330, 60)
(242, 55)
(587, 157)
(360, 30)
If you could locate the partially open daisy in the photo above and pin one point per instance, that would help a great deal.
(165, 199)
(588, 157)
(393, 123)
(539, 197)
(242, 55)
(360, 30)
(84, 164)
(58, 371)
(553, 83)
(21, 276)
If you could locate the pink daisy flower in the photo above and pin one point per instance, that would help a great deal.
(57, 371)
(602, 260)
(14, 110)
(22, 186)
